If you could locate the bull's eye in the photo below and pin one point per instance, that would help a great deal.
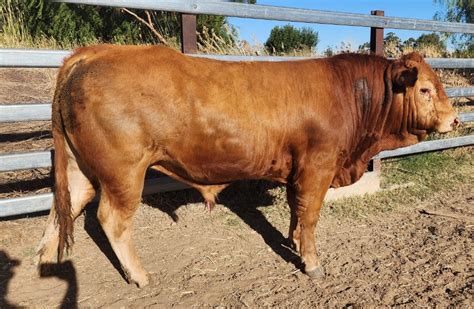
(425, 91)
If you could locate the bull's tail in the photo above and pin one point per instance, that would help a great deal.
(62, 197)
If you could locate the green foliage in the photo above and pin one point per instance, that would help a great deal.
(207, 25)
(328, 52)
(392, 38)
(393, 45)
(288, 38)
(432, 40)
(459, 11)
(73, 24)
(410, 43)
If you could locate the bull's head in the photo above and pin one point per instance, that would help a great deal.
(426, 106)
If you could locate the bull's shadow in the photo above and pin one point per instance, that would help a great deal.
(7, 265)
(242, 198)
(64, 271)
(97, 234)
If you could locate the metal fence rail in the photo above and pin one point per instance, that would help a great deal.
(283, 14)
(37, 58)
(54, 58)
(25, 112)
(427, 146)
(44, 159)
(35, 112)
(41, 202)
(25, 160)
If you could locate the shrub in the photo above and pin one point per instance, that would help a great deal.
(288, 38)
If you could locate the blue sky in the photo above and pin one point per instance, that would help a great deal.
(330, 35)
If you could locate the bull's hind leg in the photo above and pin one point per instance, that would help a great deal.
(119, 200)
(294, 233)
(82, 192)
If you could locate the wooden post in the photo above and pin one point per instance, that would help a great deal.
(376, 47)
(376, 36)
(188, 34)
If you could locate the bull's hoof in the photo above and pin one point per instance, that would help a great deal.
(316, 273)
(141, 282)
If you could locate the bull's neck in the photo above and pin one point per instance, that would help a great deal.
(392, 118)
(375, 103)
(379, 125)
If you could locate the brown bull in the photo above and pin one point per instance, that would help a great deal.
(309, 124)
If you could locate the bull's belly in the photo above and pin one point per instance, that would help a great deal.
(214, 172)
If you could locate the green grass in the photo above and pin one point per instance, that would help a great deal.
(417, 179)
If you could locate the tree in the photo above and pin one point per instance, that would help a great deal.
(364, 48)
(72, 24)
(409, 43)
(432, 40)
(288, 38)
(459, 11)
(392, 45)
(392, 38)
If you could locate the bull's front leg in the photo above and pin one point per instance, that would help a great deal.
(305, 196)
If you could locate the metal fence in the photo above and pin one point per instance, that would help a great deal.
(54, 58)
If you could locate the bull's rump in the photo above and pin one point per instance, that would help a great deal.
(209, 120)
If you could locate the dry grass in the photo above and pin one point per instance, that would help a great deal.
(426, 50)
(14, 35)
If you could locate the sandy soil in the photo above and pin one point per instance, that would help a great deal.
(237, 255)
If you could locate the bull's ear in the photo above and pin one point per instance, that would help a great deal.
(405, 70)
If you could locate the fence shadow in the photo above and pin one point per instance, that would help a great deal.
(6, 274)
(21, 136)
(27, 185)
(242, 198)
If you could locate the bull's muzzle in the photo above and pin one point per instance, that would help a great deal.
(456, 123)
(449, 123)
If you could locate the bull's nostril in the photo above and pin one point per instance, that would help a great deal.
(456, 123)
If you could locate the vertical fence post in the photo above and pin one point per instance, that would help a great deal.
(376, 47)
(376, 36)
(188, 34)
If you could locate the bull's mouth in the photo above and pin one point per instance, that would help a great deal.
(444, 131)
(448, 126)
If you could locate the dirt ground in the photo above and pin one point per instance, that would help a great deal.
(238, 256)
(413, 255)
